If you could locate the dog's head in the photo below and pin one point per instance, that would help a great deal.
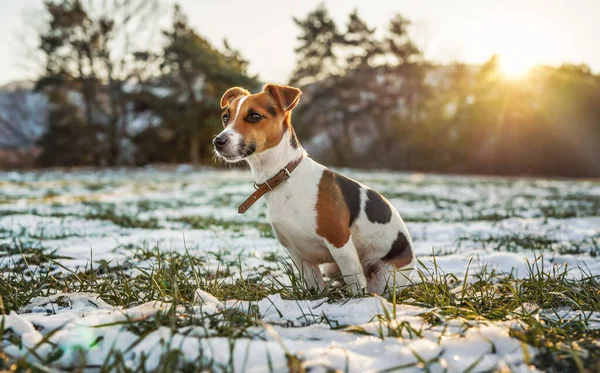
(254, 122)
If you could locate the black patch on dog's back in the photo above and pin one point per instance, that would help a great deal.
(400, 249)
(351, 191)
(377, 209)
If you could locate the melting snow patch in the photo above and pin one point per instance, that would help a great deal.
(88, 333)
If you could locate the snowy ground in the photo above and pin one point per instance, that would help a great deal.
(118, 270)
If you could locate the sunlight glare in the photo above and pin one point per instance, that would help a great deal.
(514, 67)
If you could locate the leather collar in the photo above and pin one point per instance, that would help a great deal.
(270, 184)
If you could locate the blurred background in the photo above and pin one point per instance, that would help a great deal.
(486, 87)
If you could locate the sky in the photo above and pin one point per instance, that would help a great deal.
(523, 33)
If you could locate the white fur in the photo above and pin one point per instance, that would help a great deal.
(265, 165)
(237, 111)
(292, 212)
(346, 257)
(234, 137)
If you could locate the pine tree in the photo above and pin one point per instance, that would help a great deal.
(196, 75)
(316, 53)
(356, 82)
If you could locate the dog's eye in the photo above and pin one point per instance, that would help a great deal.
(225, 118)
(254, 117)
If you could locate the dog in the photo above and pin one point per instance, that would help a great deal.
(319, 216)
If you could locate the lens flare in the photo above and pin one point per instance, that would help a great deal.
(514, 67)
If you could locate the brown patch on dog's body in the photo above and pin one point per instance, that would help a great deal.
(333, 215)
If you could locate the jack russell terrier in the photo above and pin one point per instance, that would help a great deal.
(319, 216)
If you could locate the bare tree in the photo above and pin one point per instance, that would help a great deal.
(99, 47)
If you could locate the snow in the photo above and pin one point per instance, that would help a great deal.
(452, 217)
(565, 315)
(482, 346)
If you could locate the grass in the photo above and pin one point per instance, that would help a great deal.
(200, 222)
(532, 303)
(157, 276)
(519, 242)
(571, 206)
(103, 211)
(173, 279)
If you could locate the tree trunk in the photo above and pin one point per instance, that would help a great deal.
(194, 149)
(114, 126)
(347, 145)
(86, 89)
(113, 158)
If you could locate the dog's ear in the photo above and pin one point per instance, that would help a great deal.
(286, 97)
(231, 94)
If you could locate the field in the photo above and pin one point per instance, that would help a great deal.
(154, 270)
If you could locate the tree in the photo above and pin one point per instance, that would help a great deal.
(568, 102)
(438, 143)
(91, 49)
(69, 141)
(316, 56)
(355, 84)
(194, 76)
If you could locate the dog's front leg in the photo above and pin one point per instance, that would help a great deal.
(311, 274)
(347, 259)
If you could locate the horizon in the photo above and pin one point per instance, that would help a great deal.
(468, 32)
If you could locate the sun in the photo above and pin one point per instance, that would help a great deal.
(514, 66)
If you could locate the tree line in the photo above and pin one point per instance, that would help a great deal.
(376, 102)
(370, 99)
(114, 103)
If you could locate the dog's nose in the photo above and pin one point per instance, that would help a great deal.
(220, 140)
